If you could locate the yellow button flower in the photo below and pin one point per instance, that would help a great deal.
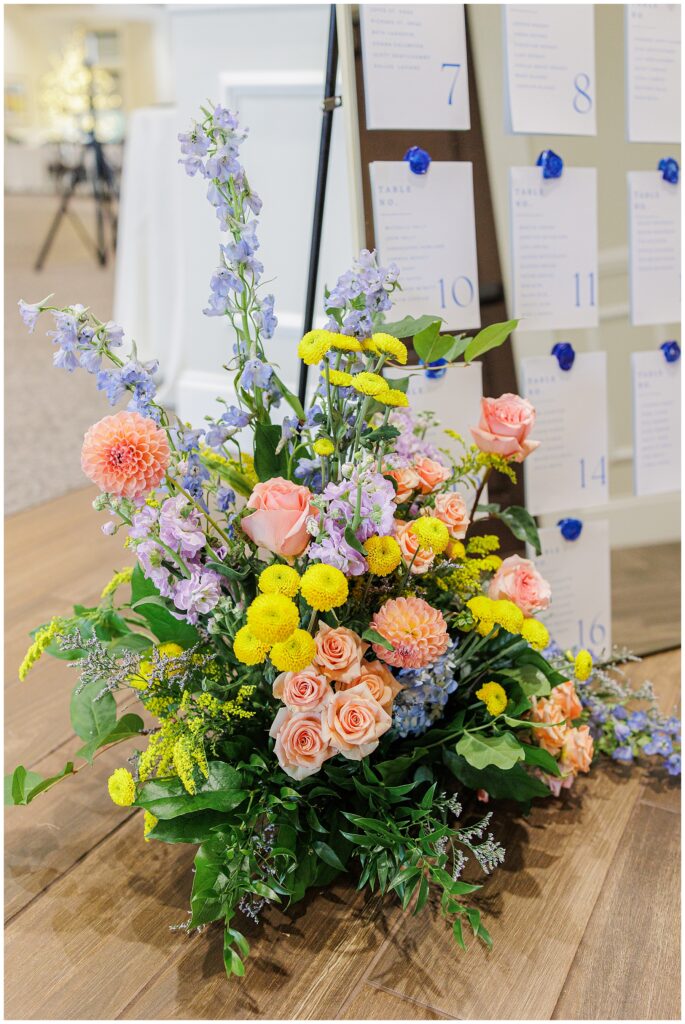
(141, 679)
(294, 654)
(314, 346)
(248, 649)
(535, 633)
(323, 446)
(582, 668)
(121, 787)
(273, 617)
(324, 587)
(431, 533)
(367, 383)
(494, 697)
(389, 346)
(279, 579)
(508, 615)
(383, 555)
(393, 397)
(339, 378)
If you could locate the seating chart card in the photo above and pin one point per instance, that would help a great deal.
(425, 223)
(656, 423)
(579, 573)
(654, 210)
(550, 69)
(554, 247)
(569, 469)
(415, 71)
(653, 72)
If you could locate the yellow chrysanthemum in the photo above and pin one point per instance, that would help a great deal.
(339, 378)
(494, 697)
(431, 533)
(117, 580)
(295, 653)
(456, 550)
(121, 787)
(140, 680)
(508, 615)
(582, 668)
(480, 607)
(149, 822)
(314, 346)
(383, 555)
(367, 383)
(535, 633)
(323, 446)
(279, 579)
(485, 626)
(389, 346)
(393, 397)
(324, 587)
(344, 343)
(490, 563)
(248, 649)
(273, 617)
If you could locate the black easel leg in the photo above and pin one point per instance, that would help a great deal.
(329, 104)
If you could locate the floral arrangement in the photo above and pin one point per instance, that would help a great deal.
(321, 635)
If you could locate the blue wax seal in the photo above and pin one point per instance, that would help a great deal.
(436, 369)
(571, 529)
(671, 351)
(418, 159)
(670, 170)
(565, 354)
(551, 163)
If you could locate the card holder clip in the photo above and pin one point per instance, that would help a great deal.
(671, 351)
(418, 160)
(670, 170)
(570, 529)
(551, 163)
(565, 354)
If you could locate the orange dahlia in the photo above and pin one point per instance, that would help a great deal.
(417, 632)
(125, 454)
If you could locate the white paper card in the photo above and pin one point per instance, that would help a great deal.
(550, 68)
(569, 469)
(653, 72)
(425, 223)
(656, 423)
(554, 247)
(579, 573)
(654, 209)
(415, 71)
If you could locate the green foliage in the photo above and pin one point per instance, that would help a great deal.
(127, 727)
(489, 338)
(159, 619)
(513, 784)
(410, 326)
(168, 798)
(268, 460)
(519, 522)
(503, 750)
(430, 345)
(23, 786)
(91, 717)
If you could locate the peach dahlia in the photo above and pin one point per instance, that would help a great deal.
(125, 454)
(417, 631)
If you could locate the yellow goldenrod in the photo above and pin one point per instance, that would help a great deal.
(117, 580)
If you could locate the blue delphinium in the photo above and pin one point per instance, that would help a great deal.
(359, 295)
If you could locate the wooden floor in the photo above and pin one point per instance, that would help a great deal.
(584, 913)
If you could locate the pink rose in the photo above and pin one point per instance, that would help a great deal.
(518, 580)
(381, 683)
(483, 796)
(353, 722)
(577, 751)
(279, 522)
(505, 424)
(407, 480)
(451, 509)
(302, 691)
(339, 653)
(556, 782)
(566, 698)
(544, 711)
(300, 746)
(409, 546)
(431, 474)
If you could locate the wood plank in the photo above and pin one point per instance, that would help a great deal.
(628, 964)
(646, 618)
(374, 1003)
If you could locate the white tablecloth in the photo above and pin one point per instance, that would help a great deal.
(148, 293)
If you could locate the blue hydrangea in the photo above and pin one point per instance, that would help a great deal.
(425, 694)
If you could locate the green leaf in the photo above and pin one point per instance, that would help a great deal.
(458, 348)
(267, 463)
(351, 538)
(229, 571)
(376, 638)
(124, 729)
(502, 751)
(458, 933)
(328, 855)
(514, 784)
(240, 941)
(429, 346)
(188, 828)
(531, 679)
(22, 786)
(292, 400)
(50, 782)
(410, 326)
(521, 523)
(161, 622)
(130, 642)
(167, 798)
(423, 895)
(540, 758)
(490, 337)
(90, 717)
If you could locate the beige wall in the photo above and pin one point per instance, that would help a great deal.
(633, 520)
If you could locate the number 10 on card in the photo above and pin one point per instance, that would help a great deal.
(458, 292)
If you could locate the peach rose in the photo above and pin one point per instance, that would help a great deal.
(451, 509)
(431, 474)
(577, 751)
(505, 424)
(353, 722)
(302, 691)
(279, 522)
(557, 782)
(544, 711)
(407, 480)
(566, 698)
(300, 745)
(339, 653)
(381, 683)
(409, 546)
(518, 580)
